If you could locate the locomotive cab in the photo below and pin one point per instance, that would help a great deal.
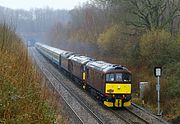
(109, 82)
(117, 88)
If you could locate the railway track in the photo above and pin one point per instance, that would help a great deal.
(77, 118)
(100, 121)
(127, 115)
(137, 115)
(80, 117)
(145, 113)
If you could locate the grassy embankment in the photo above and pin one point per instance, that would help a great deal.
(21, 99)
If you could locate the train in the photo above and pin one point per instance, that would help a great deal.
(110, 83)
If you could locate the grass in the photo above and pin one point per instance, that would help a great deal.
(21, 100)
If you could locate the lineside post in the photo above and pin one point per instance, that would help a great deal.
(157, 73)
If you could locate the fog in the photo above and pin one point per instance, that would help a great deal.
(29, 4)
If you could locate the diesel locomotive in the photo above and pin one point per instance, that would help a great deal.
(109, 83)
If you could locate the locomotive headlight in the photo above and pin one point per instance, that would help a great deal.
(119, 87)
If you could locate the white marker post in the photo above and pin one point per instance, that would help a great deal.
(157, 73)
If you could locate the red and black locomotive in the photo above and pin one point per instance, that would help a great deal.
(110, 83)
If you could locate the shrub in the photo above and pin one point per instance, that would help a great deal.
(156, 48)
(111, 41)
(20, 91)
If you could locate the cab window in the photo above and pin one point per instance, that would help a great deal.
(126, 77)
(119, 77)
(110, 77)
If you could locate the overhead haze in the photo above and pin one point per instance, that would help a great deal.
(29, 4)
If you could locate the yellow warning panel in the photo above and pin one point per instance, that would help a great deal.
(126, 104)
(108, 104)
(84, 76)
(118, 103)
(118, 88)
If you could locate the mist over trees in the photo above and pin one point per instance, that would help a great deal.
(34, 23)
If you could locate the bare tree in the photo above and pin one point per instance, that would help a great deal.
(154, 14)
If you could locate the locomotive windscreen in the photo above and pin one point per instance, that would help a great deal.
(118, 77)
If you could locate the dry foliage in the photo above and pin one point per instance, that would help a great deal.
(20, 96)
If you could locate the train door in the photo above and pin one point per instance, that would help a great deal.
(70, 66)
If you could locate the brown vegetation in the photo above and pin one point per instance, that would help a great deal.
(20, 91)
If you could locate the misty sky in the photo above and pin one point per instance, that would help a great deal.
(28, 4)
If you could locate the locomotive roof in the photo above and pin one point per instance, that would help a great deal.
(82, 59)
(67, 54)
(104, 66)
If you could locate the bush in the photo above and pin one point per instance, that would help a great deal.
(111, 41)
(20, 91)
(172, 72)
(157, 48)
